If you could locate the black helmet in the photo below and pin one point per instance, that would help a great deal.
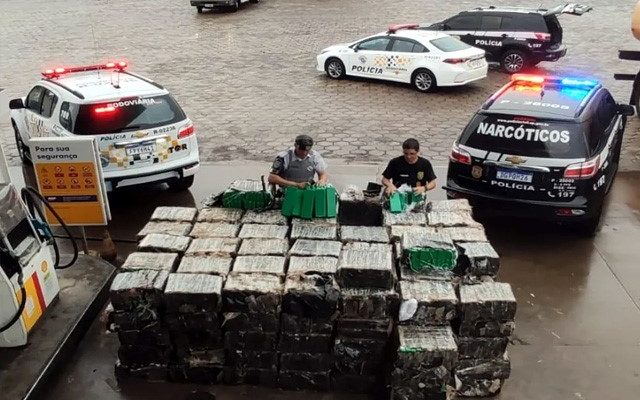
(304, 142)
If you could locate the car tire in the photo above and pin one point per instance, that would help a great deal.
(180, 185)
(23, 150)
(424, 81)
(199, 8)
(334, 68)
(514, 61)
(254, 1)
(236, 6)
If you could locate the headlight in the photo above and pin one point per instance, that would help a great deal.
(104, 161)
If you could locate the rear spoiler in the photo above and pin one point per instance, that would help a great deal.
(568, 8)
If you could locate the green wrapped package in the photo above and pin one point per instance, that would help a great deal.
(310, 202)
(428, 251)
(246, 195)
(399, 201)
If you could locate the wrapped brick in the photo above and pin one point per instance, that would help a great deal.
(192, 372)
(307, 343)
(222, 247)
(193, 293)
(174, 214)
(472, 347)
(404, 218)
(292, 324)
(366, 269)
(160, 242)
(236, 321)
(372, 234)
(316, 248)
(258, 231)
(427, 302)
(486, 328)
(464, 234)
(313, 362)
(186, 343)
(398, 230)
(426, 347)
(315, 222)
(425, 251)
(250, 341)
(268, 217)
(474, 369)
(203, 356)
(358, 209)
(254, 293)
(311, 296)
(140, 355)
(420, 383)
(166, 227)
(359, 356)
(252, 359)
(487, 301)
(260, 264)
(202, 321)
(139, 291)
(264, 247)
(152, 335)
(211, 265)
(319, 232)
(369, 303)
(135, 319)
(479, 259)
(354, 383)
(151, 373)
(214, 230)
(407, 274)
(154, 261)
(449, 205)
(365, 328)
(251, 376)
(478, 387)
(216, 214)
(365, 246)
(304, 380)
(451, 218)
(313, 265)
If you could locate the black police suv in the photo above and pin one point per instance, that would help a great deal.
(517, 38)
(541, 147)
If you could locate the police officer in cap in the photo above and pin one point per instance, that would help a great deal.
(298, 166)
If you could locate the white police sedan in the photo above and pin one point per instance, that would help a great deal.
(424, 59)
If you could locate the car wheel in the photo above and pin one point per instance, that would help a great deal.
(180, 185)
(23, 150)
(334, 68)
(254, 1)
(513, 61)
(199, 8)
(424, 81)
(236, 6)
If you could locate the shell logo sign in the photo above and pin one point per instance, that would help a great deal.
(44, 266)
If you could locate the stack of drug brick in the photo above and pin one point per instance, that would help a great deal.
(252, 299)
(310, 306)
(367, 280)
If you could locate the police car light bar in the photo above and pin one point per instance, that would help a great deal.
(537, 79)
(56, 72)
(397, 27)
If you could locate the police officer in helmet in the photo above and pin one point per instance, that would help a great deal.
(298, 166)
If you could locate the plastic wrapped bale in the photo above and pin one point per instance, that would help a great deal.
(151, 373)
(305, 343)
(407, 274)
(216, 214)
(405, 218)
(396, 231)
(427, 302)
(136, 320)
(246, 194)
(264, 247)
(252, 359)
(166, 227)
(425, 251)
(292, 324)
(268, 217)
(211, 265)
(174, 214)
(250, 231)
(194, 332)
(326, 266)
(154, 334)
(355, 383)
(193, 293)
(142, 355)
(316, 248)
(478, 259)
(478, 387)
(483, 347)
(360, 208)
(451, 218)
(214, 230)
(189, 371)
(368, 303)
(366, 246)
(250, 341)
(159, 242)
(237, 321)
(421, 383)
(486, 328)
(314, 222)
(154, 261)
(314, 362)
(139, 292)
(449, 205)
(304, 380)
(487, 301)
(474, 369)
(311, 296)
(251, 376)
(462, 234)
(426, 347)
(365, 328)
(320, 232)
(366, 269)
(221, 247)
(359, 356)
(260, 264)
(253, 293)
(372, 234)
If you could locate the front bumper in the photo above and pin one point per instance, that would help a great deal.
(152, 177)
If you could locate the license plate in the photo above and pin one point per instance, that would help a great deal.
(476, 63)
(134, 151)
(526, 177)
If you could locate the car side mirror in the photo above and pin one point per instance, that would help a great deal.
(16, 104)
(626, 109)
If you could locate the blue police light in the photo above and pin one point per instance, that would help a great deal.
(578, 82)
(575, 93)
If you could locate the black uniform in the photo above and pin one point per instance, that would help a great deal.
(400, 171)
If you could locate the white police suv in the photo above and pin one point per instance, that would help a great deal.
(142, 133)
(541, 147)
(424, 59)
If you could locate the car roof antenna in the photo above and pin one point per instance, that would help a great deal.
(95, 45)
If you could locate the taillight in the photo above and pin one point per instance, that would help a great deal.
(186, 131)
(583, 170)
(543, 36)
(455, 60)
(460, 156)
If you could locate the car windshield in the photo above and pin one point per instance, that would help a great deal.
(449, 44)
(525, 136)
(123, 115)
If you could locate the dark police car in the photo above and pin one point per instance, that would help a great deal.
(517, 38)
(542, 147)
